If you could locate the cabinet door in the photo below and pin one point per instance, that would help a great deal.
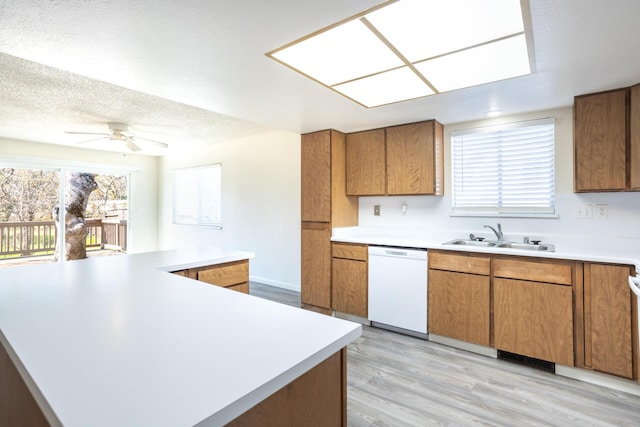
(608, 337)
(634, 149)
(316, 176)
(411, 160)
(366, 163)
(600, 141)
(316, 266)
(534, 319)
(459, 306)
(349, 286)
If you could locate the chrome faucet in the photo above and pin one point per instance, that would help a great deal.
(499, 234)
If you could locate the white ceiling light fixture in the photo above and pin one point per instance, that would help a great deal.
(407, 49)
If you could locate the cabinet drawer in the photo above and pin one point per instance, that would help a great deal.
(226, 274)
(459, 263)
(357, 252)
(533, 271)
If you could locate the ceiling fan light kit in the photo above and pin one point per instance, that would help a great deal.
(120, 132)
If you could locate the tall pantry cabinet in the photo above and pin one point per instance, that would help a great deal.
(324, 205)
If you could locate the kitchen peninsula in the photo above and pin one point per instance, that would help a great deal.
(121, 341)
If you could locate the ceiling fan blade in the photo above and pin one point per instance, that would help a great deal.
(131, 145)
(94, 139)
(87, 133)
(157, 143)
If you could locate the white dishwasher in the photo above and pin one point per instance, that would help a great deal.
(398, 289)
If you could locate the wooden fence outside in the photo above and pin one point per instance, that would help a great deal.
(39, 237)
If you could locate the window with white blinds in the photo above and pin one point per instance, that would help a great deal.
(505, 169)
(197, 196)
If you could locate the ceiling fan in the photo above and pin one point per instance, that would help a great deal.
(119, 132)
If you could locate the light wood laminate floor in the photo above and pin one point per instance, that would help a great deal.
(396, 380)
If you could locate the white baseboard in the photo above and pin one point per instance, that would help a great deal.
(284, 285)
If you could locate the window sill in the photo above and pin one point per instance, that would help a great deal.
(505, 215)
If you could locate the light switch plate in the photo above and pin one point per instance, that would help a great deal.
(584, 212)
(376, 210)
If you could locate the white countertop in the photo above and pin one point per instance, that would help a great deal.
(617, 251)
(119, 341)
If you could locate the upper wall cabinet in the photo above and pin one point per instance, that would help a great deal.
(607, 141)
(366, 163)
(634, 138)
(399, 160)
(414, 159)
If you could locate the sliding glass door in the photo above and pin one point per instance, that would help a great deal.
(33, 229)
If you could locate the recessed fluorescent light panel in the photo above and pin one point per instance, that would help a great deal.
(407, 49)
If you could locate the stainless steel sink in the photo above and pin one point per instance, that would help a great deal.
(467, 242)
(527, 246)
(505, 245)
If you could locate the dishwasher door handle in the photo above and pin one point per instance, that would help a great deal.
(396, 253)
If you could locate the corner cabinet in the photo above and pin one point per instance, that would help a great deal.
(399, 160)
(607, 141)
(324, 204)
(460, 296)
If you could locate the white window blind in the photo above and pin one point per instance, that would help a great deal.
(197, 196)
(505, 169)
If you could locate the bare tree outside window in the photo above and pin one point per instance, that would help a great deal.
(95, 214)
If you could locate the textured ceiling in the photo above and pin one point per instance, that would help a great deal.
(43, 102)
(196, 72)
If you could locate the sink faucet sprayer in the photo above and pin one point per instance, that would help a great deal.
(499, 234)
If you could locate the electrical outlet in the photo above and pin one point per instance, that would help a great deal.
(584, 212)
(601, 212)
(376, 210)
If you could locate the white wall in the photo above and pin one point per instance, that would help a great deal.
(260, 203)
(143, 215)
(431, 212)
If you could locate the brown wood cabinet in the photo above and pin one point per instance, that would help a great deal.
(316, 177)
(414, 158)
(609, 330)
(350, 279)
(316, 265)
(318, 398)
(230, 275)
(459, 296)
(324, 205)
(634, 138)
(366, 152)
(607, 141)
(399, 160)
(533, 309)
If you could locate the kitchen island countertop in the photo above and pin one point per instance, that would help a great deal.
(119, 341)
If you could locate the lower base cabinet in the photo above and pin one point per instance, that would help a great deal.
(459, 306)
(609, 330)
(534, 319)
(459, 297)
(349, 279)
(533, 308)
(230, 275)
